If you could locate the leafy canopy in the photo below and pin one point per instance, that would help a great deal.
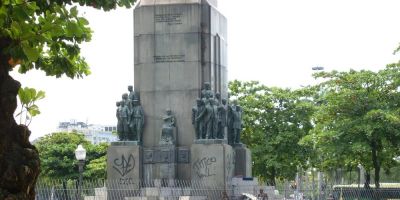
(57, 156)
(275, 120)
(358, 119)
(46, 34)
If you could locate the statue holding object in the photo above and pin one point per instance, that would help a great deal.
(168, 129)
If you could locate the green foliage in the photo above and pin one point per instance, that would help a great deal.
(28, 98)
(275, 120)
(46, 34)
(57, 156)
(358, 119)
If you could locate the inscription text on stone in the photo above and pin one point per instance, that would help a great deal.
(170, 19)
(169, 58)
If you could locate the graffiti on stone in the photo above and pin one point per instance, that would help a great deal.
(124, 165)
(125, 181)
(230, 164)
(205, 167)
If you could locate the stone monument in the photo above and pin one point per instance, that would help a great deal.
(179, 45)
(180, 69)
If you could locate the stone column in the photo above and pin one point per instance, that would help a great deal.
(212, 165)
(124, 169)
(242, 160)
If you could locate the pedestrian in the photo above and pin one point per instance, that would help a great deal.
(224, 196)
(262, 195)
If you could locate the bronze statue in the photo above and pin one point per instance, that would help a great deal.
(237, 124)
(207, 116)
(217, 98)
(124, 122)
(216, 120)
(137, 121)
(127, 102)
(198, 124)
(168, 128)
(119, 123)
(207, 93)
(132, 94)
(230, 120)
(222, 114)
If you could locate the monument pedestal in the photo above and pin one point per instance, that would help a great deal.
(212, 164)
(160, 163)
(242, 160)
(124, 169)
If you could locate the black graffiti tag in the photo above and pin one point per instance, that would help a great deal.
(123, 166)
(202, 166)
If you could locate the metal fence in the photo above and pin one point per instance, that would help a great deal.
(126, 190)
(183, 189)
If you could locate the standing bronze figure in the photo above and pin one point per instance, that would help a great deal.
(137, 121)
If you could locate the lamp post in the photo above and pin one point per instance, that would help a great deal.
(80, 154)
(359, 166)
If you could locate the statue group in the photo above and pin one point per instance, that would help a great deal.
(130, 117)
(212, 117)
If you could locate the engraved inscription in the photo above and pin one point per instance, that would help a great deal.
(183, 155)
(170, 19)
(169, 58)
(123, 165)
(148, 156)
(164, 157)
(125, 181)
(204, 167)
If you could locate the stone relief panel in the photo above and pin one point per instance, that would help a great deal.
(148, 156)
(183, 155)
(157, 155)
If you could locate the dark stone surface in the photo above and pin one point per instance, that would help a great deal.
(213, 141)
(125, 143)
(166, 154)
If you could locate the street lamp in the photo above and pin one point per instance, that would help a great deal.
(80, 154)
(359, 174)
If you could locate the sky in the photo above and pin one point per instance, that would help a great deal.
(276, 42)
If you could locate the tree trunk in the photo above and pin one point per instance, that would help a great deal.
(367, 179)
(273, 176)
(376, 163)
(19, 160)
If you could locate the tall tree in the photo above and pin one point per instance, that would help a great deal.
(44, 35)
(57, 155)
(358, 120)
(275, 120)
